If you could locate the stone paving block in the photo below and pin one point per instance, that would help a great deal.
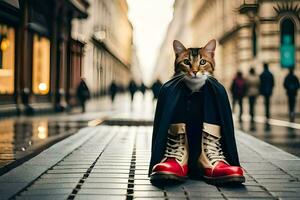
(33, 191)
(111, 171)
(41, 185)
(145, 188)
(147, 194)
(268, 172)
(71, 166)
(105, 175)
(204, 194)
(103, 191)
(246, 194)
(106, 180)
(43, 197)
(257, 188)
(283, 176)
(286, 194)
(58, 181)
(206, 198)
(67, 171)
(176, 194)
(94, 197)
(61, 176)
(113, 167)
(105, 185)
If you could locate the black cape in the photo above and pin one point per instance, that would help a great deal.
(169, 94)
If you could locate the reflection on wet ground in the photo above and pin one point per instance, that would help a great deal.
(21, 140)
(278, 134)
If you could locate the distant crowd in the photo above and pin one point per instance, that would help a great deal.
(253, 85)
(250, 86)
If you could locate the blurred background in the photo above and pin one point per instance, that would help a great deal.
(64, 64)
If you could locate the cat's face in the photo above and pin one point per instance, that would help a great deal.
(194, 62)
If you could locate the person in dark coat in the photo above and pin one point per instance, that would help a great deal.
(155, 88)
(113, 89)
(238, 90)
(83, 93)
(266, 88)
(291, 85)
(132, 89)
(143, 88)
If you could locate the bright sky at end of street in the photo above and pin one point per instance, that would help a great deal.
(150, 19)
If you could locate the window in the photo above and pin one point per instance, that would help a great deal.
(41, 65)
(254, 41)
(7, 59)
(287, 43)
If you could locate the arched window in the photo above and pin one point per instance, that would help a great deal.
(254, 41)
(287, 43)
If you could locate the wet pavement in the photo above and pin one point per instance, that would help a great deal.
(111, 162)
(21, 138)
(279, 133)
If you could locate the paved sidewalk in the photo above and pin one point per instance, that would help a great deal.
(111, 162)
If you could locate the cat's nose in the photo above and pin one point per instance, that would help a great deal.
(195, 72)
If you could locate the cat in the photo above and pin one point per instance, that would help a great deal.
(197, 64)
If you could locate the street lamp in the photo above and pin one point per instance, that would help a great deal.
(4, 44)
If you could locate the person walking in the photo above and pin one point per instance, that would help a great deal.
(291, 85)
(113, 89)
(83, 93)
(266, 88)
(143, 88)
(238, 90)
(132, 87)
(253, 84)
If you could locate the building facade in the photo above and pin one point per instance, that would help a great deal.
(107, 33)
(38, 54)
(249, 33)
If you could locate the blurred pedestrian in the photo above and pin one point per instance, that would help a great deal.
(155, 88)
(253, 84)
(83, 93)
(266, 88)
(143, 88)
(291, 85)
(132, 89)
(113, 89)
(238, 91)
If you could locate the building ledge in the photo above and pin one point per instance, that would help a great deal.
(248, 8)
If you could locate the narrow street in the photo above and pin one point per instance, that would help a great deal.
(109, 159)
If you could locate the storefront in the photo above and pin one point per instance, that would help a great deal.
(40, 63)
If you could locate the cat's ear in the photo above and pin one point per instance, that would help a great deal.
(210, 47)
(178, 47)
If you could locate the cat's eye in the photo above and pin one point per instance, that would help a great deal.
(186, 61)
(202, 62)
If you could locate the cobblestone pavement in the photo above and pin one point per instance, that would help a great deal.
(111, 162)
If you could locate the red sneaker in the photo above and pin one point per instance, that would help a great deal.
(173, 166)
(216, 169)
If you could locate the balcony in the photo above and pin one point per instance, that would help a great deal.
(249, 6)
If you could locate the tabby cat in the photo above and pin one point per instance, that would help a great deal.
(197, 64)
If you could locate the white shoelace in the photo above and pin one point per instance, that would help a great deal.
(175, 147)
(212, 148)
